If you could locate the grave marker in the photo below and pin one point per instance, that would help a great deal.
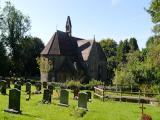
(3, 87)
(17, 85)
(45, 85)
(28, 87)
(64, 96)
(46, 96)
(82, 100)
(14, 101)
(50, 87)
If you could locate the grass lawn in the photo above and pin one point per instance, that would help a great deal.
(97, 110)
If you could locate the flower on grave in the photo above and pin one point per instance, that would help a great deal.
(146, 117)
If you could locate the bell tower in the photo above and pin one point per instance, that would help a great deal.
(69, 26)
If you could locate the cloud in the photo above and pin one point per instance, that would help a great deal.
(115, 2)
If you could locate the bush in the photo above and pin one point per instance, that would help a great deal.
(146, 117)
(93, 83)
(158, 98)
(73, 84)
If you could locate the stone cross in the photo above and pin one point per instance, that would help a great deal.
(82, 100)
(14, 101)
(46, 96)
(3, 87)
(64, 96)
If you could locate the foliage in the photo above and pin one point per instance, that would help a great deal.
(73, 84)
(146, 117)
(158, 98)
(4, 60)
(133, 45)
(45, 64)
(30, 50)
(154, 11)
(14, 26)
(110, 48)
(93, 83)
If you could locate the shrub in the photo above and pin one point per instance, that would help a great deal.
(93, 83)
(158, 98)
(73, 84)
(146, 117)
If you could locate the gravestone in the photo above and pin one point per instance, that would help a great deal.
(82, 100)
(46, 96)
(64, 96)
(89, 95)
(14, 101)
(3, 87)
(75, 92)
(38, 86)
(50, 87)
(28, 87)
(8, 83)
(18, 86)
(45, 85)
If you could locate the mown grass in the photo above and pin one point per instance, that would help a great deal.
(97, 110)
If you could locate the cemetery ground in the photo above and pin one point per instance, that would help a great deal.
(97, 109)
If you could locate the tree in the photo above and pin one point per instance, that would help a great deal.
(109, 46)
(154, 11)
(4, 61)
(133, 44)
(31, 48)
(14, 27)
(121, 53)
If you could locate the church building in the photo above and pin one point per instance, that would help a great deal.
(73, 58)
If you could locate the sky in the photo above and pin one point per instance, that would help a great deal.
(116, 19)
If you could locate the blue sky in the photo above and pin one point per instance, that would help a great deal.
(117, 19)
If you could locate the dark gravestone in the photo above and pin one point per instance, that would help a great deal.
(3, 87)
(28, 87)
(82, 100)
(50, 87)
(64, 96)
(89, 95)
(14, 101)
(76, 92)
(46, 96)
(18, 86)
(8, 83)
(45, 85)
(38, 86)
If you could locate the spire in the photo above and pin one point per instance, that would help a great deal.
(69, 26)
(94, 39)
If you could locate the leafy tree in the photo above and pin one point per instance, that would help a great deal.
(31, 48)
(14, 27)
(109, 46)
(133, 44)
(154, 11)
(121, 53)
(4, 61)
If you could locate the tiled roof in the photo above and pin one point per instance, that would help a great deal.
(62, 44)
